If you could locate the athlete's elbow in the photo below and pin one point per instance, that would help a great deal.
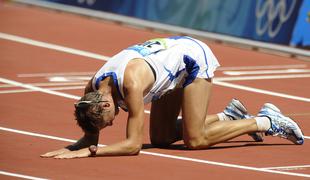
(134, 149)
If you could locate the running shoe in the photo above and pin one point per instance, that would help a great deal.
(281, 125)
(236, 110)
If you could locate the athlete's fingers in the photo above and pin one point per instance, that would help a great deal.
(55, 153)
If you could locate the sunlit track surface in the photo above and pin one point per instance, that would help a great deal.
(44, 69)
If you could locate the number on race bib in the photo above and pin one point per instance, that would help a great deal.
(149, 47)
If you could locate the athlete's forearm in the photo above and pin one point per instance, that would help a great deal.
(124, 148)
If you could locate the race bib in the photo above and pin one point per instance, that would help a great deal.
(150, 47)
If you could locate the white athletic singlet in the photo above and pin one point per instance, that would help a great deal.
(176, 62)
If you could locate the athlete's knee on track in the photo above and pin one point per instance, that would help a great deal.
(196, 142)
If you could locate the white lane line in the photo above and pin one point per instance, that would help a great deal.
(262, 67)
(283, 71)
(287, 168)
(52, 46)
(166, 155)
(105, 58)
(243, 78)
(48, 84)
(48, 91)
(27, 86)
(69, 78)
(298, 114)
(144, 152)
(91, 55)
(256, 90)
(29, 90)
(37, 135)
(56, 74)
(20, 175)
(35, 88)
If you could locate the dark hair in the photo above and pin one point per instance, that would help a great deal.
(88, 112)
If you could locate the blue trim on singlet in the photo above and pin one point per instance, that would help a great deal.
(192, 68)
(115, 81)
(171, 76)
(176, 37)
(186, 37)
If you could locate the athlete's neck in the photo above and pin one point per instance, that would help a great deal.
(106, 86)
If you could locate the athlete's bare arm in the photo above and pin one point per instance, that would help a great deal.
(85, 141)
(133, 142)
(138, 79)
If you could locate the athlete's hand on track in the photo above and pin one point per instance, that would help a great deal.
(74, 154)
(55, 153)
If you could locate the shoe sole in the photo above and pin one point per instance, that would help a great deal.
(294, 138)
(239, 106)
(272, 107)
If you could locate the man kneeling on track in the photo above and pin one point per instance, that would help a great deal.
(173, 73)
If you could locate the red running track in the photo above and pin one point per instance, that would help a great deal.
(48, 114)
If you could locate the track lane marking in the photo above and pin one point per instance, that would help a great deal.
(226, 78)
(48, 84)
(287, 168)
(233, 68)
(263, 77)
(29, 41)
(56, 74)
(48, 91)
(58, 48)
(35, 88)
(278, 71)
(20, 175)
(105, 58)
(165, 155)
(29, 90)
(52, 46)
(143, 152)
(256, 90)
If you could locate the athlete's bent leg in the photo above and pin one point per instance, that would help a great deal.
(197, 134)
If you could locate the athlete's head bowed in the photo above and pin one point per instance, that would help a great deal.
(95, 111)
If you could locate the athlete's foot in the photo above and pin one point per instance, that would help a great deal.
(281, 125)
